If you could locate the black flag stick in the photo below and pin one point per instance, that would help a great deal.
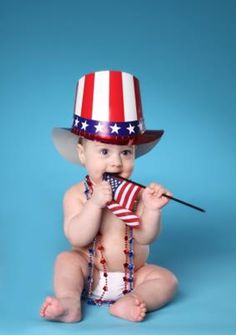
(165, 195)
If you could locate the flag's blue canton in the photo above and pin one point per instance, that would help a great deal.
(115, 182)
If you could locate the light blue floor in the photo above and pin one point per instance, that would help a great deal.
(203, 258)
(206, 306)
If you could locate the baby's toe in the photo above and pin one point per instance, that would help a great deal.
(137, 302)
(143, 309)
(142, 312)
(140, 318)
(49, 300)
(44, 306)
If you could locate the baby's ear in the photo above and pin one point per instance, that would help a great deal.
(80, 152)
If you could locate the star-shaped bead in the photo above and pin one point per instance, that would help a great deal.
(99, 128)
(131, 129)
(115, 129)
(84, 125)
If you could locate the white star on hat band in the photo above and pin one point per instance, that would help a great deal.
(107, 128)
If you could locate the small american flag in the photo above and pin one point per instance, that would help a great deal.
(124, 195)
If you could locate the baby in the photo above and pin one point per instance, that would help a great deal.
(108, 256)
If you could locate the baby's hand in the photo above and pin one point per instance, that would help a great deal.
(152, 197)
(102, 194)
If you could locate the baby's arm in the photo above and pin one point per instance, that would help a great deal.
(150, 213)
(82, 219)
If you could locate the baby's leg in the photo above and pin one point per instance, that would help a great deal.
(153, 288)
(69, 276)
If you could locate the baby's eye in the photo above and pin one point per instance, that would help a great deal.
(127, 152)
(104, 152)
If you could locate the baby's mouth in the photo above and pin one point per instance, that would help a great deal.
(115, 174)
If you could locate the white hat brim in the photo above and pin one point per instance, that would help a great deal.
(66, 144)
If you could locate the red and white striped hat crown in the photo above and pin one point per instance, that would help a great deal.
(108, 109)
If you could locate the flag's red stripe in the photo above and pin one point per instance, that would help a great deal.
(127, 197)
(120, 211)
(120, 191)
(130, 197)
(138, 99)
(129, 219)
(124, 215)
(134, 198)
(115, 207)
(132, 222)
(87, 103)
(116, 102)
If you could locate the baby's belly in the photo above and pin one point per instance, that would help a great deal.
(112, 238)
(115, 256)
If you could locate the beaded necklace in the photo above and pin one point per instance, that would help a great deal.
(128, 264)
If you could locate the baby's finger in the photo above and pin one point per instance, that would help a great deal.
(105, 183)
(161, 191)
(157, 188)
(153, 186)
(169, 193)
(166, 192)
(107, 192)
(149, 192)
(108, 198)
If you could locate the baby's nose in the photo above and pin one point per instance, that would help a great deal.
(116, 160)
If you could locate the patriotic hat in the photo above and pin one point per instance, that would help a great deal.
(107, 109)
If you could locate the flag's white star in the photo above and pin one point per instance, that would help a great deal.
(84, 125)
(131, 129)
(99, 128)
(76, 122)
(115, 129)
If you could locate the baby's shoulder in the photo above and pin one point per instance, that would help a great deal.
(75, 192)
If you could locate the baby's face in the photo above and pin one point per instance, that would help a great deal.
(99, 158)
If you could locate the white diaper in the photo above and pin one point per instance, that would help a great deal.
(115, 285)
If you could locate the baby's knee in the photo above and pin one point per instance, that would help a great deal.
(172, 282)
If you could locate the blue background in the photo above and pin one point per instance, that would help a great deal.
(184, 54)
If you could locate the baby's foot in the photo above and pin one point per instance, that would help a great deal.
(61, 309)
(130, 307)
